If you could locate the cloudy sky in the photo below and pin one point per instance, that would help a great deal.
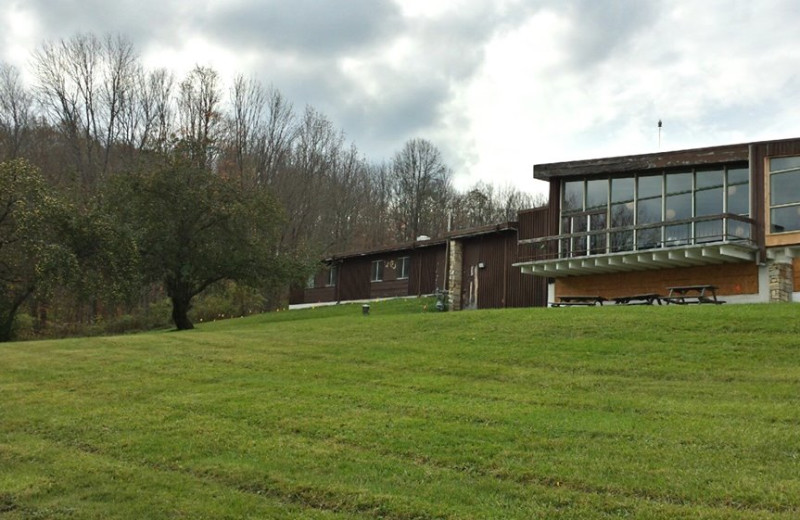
(497, 85)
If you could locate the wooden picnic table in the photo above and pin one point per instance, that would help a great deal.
(639, 299)
(686, 294)
(568, 301)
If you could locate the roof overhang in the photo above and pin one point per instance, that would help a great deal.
(685, 256)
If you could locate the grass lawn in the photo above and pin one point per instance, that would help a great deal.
(612, 412)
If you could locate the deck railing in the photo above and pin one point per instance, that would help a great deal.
(724, 227)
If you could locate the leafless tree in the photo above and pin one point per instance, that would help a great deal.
(16, 105)
(199, 113)
(421, 188)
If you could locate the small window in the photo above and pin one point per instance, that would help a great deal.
(332, 275)
(310, 282)
(404, 267)
(377, 271)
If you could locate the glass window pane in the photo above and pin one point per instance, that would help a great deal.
(784, 163)
(708, 231)
(596, 194)
(649, 211)
(579, 243)
(679, 207)
(708, 202)
(622, 215)
(679, 183)
(648, 238)
(573, 196)
(739, 199)
(784, 188)
(649, 186)
(678, 235)
(622, 189)
(622, 241)
(597, 243)
(738, 230)
(785, 219)
(738, 176)
(565, 225)
(709, 179)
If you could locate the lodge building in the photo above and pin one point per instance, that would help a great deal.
(724, 215)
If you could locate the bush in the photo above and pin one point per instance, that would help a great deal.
(23, 327)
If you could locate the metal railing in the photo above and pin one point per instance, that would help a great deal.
(724, 227)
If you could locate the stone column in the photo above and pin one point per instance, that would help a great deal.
(780, 282)
(454, 275)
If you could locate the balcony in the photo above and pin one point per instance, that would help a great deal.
(713, 239)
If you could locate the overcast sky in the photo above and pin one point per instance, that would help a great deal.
(497, 85)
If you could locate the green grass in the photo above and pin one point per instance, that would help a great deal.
(640, 412)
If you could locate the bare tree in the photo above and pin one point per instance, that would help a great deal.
(16, 105)
(199, 113)
(421, 188)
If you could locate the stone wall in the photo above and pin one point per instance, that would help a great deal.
(781, 282)
(454, 274)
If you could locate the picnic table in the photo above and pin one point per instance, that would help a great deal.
(638, 299)
(568, 301)
(686, 294)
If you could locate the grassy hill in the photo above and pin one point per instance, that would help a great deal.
(645, 412)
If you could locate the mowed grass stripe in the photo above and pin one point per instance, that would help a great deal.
(407, 414)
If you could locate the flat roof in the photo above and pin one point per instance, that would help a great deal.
(650, 161)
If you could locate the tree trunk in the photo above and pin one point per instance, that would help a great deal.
(180, 310)
(6, 323)
(178, 291)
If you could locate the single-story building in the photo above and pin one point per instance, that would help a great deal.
(723, 215)
(474, 267)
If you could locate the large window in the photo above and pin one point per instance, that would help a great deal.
(664, 209)
(377, 271)
(784, 194)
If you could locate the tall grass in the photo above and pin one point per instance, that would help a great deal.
(645, 412)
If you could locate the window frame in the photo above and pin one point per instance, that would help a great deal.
(785, 205)
(332, 275)
(405, 267)
(614, 242)
(376, 271)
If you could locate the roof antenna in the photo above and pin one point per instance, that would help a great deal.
(659, 134)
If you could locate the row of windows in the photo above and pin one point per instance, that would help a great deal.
(402, 267)
(639, 200)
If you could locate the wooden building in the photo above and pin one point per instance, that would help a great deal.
(474, 266)
(725, 215)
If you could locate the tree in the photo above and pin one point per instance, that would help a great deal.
(194, 228)
(15, 112)
(31, 254)
(421, 188)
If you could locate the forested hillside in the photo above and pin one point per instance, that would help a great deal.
(122, 185)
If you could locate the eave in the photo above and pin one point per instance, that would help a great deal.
(663, 258)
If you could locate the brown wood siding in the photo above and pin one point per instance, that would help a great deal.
(796, 273)
(499, 284)
(354, 279)
(534, 224)
(427, 270)
(388, 289)
(523, 290)
(731, 279)
(760, 152)
(320, 294)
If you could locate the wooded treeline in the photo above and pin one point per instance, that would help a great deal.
(95, 122)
